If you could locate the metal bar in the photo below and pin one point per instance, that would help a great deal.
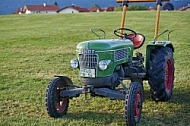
(169, 34)
(160, 35)
(123, 17)
(112, 94)
(96, 29)
(71, 93)
(157, 21)
(121, 1)
(124, 87)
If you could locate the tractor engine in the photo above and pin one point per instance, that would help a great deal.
(135, 68)
(100, 61)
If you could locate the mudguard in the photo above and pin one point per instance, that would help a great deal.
(66, 79)
(154, 45)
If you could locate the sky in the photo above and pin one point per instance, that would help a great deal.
(10, 6)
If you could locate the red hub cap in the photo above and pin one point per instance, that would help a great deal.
(137, 106)
(169, 76)
(60, 103)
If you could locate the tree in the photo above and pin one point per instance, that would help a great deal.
(56, 3)
(118, 8)
(96, 6)
(168, 6)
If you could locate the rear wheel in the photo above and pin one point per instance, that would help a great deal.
(56, 105)
(133, 104)
(161, 74)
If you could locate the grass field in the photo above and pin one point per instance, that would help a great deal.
(34, 48)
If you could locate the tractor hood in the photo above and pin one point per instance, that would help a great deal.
(104, 45)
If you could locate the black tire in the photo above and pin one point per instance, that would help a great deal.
(139, 80)
(161, 74)
(133, 104)
(56, 106)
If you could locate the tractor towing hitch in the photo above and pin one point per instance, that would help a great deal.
(89, 89)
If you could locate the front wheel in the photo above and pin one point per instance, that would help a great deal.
(56, 105)
(133, 104)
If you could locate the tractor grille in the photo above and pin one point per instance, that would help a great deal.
(88, 61)
(120, 54)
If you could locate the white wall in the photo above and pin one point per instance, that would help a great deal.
(68, 10)
(28, 12)
(40, 12)
(47, 12)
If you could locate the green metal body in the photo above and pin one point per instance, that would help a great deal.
(154, 45)
(105, 50)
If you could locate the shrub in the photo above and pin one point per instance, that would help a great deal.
(131, 8)
(137, 7)
(118, 8)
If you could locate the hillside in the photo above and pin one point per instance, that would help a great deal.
(34, 48)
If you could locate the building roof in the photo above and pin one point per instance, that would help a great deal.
(111, 8)
(80, 9)
(18, 11)
(94, 9)
(185, 8)
(42, 7)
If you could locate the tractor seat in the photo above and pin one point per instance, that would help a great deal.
(137, 39)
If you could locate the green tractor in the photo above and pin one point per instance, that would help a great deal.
(105, 63)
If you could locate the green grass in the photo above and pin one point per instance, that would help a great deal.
(34, 48)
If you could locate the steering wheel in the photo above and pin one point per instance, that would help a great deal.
(125, 33)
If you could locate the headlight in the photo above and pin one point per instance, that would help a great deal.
(103, 64)
(74, 63)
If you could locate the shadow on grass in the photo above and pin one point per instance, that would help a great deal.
(174, 112)
(180, 95)
(97, 117)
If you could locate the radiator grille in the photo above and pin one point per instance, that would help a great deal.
(120, 54)
(88, 61)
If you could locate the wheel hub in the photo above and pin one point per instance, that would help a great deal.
(138, 105)
(168, 76)
(60, 103)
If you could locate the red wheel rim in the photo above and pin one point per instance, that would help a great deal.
(60, 103)
(169, 76)
(137, 105)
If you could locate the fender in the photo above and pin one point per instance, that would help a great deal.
(154, 45)
(65, 78)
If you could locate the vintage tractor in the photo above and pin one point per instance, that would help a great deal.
(105, 63)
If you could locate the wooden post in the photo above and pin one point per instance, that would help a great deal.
(125, 5)
(157, 20)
